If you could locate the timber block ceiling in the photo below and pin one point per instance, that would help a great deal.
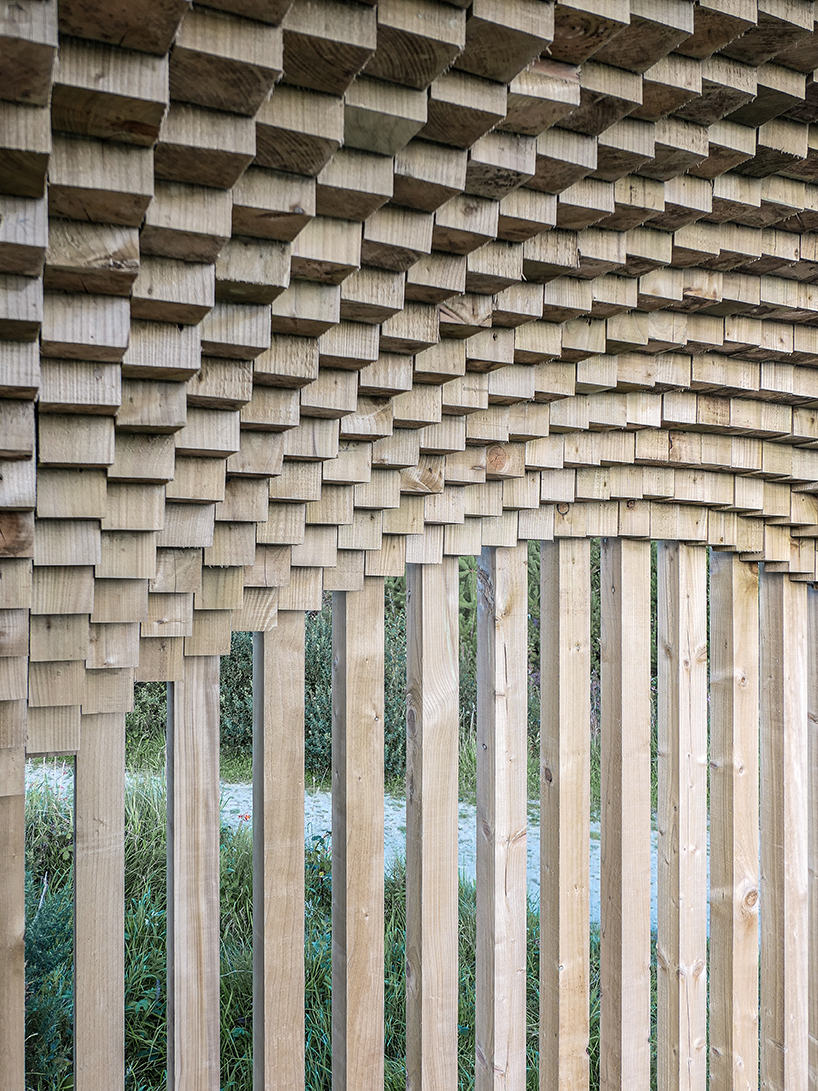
(294, 293)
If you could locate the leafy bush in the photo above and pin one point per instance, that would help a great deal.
(236, 695)
(318, 690)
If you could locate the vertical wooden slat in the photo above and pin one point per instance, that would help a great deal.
(357, 837)
(733, 823)
(432, 730)
(784, 835)
(278, 855)
(682, 853)
(812, 846)
(502, 609)
(99, 905)
(626, 818)
(12, 917)
(565, 665)
(193, 877)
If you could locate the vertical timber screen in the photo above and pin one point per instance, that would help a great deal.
(736, 787)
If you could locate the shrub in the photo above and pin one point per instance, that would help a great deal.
(318, 690)
(236, 695)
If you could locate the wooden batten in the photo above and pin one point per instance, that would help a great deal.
(501, 803)
(293, 294)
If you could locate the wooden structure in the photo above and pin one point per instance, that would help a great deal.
(298, 294)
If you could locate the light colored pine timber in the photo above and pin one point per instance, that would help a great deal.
(462, 108)
(12, 916)
(326, 54)
(357, 838)
(278, 854)
(565, 605)
(169, 291)
(252, 270)
(224, 62)
(501, 818)
(269, 204)
(204, 147)
(142, 26)
(21, 308)
(111, 93)
(812, 846)
(91, 257)
(502, 36)
(784, 835)
(99, 898)
(733, 822)
(298, 130)
(431, 825)
(682, 818)
(28, 44)
(25, 136)
(23, 235)
(417, 40)
(626, 817)
(191, 223)
(382, 117)
(428, 175)
(102, 182)
(193, 877)
(85, 327)
(353, 184)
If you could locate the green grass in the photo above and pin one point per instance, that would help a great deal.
(145, 736)
(49, 914)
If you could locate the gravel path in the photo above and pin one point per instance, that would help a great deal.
(237, 801)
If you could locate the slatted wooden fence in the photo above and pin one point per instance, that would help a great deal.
(733, 713)
(298, 295)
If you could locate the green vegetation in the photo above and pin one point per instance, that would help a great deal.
(145, 744)
(49, 915)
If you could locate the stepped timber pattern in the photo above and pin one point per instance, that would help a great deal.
(295, 293)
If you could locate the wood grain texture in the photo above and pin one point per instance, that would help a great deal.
(193, 877)
(99, 904)
(432, 740)
(734, 873)
(357, 838)
(681, 949)
(565, 668)
(784, 835)
(626, 818)
(502, 603)
(278, 855)
(12, 917)
(812, 846)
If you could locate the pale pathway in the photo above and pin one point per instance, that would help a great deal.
(237, 808)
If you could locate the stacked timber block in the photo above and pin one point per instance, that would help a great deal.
(293, 293)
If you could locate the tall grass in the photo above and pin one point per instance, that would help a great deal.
(49, 977)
